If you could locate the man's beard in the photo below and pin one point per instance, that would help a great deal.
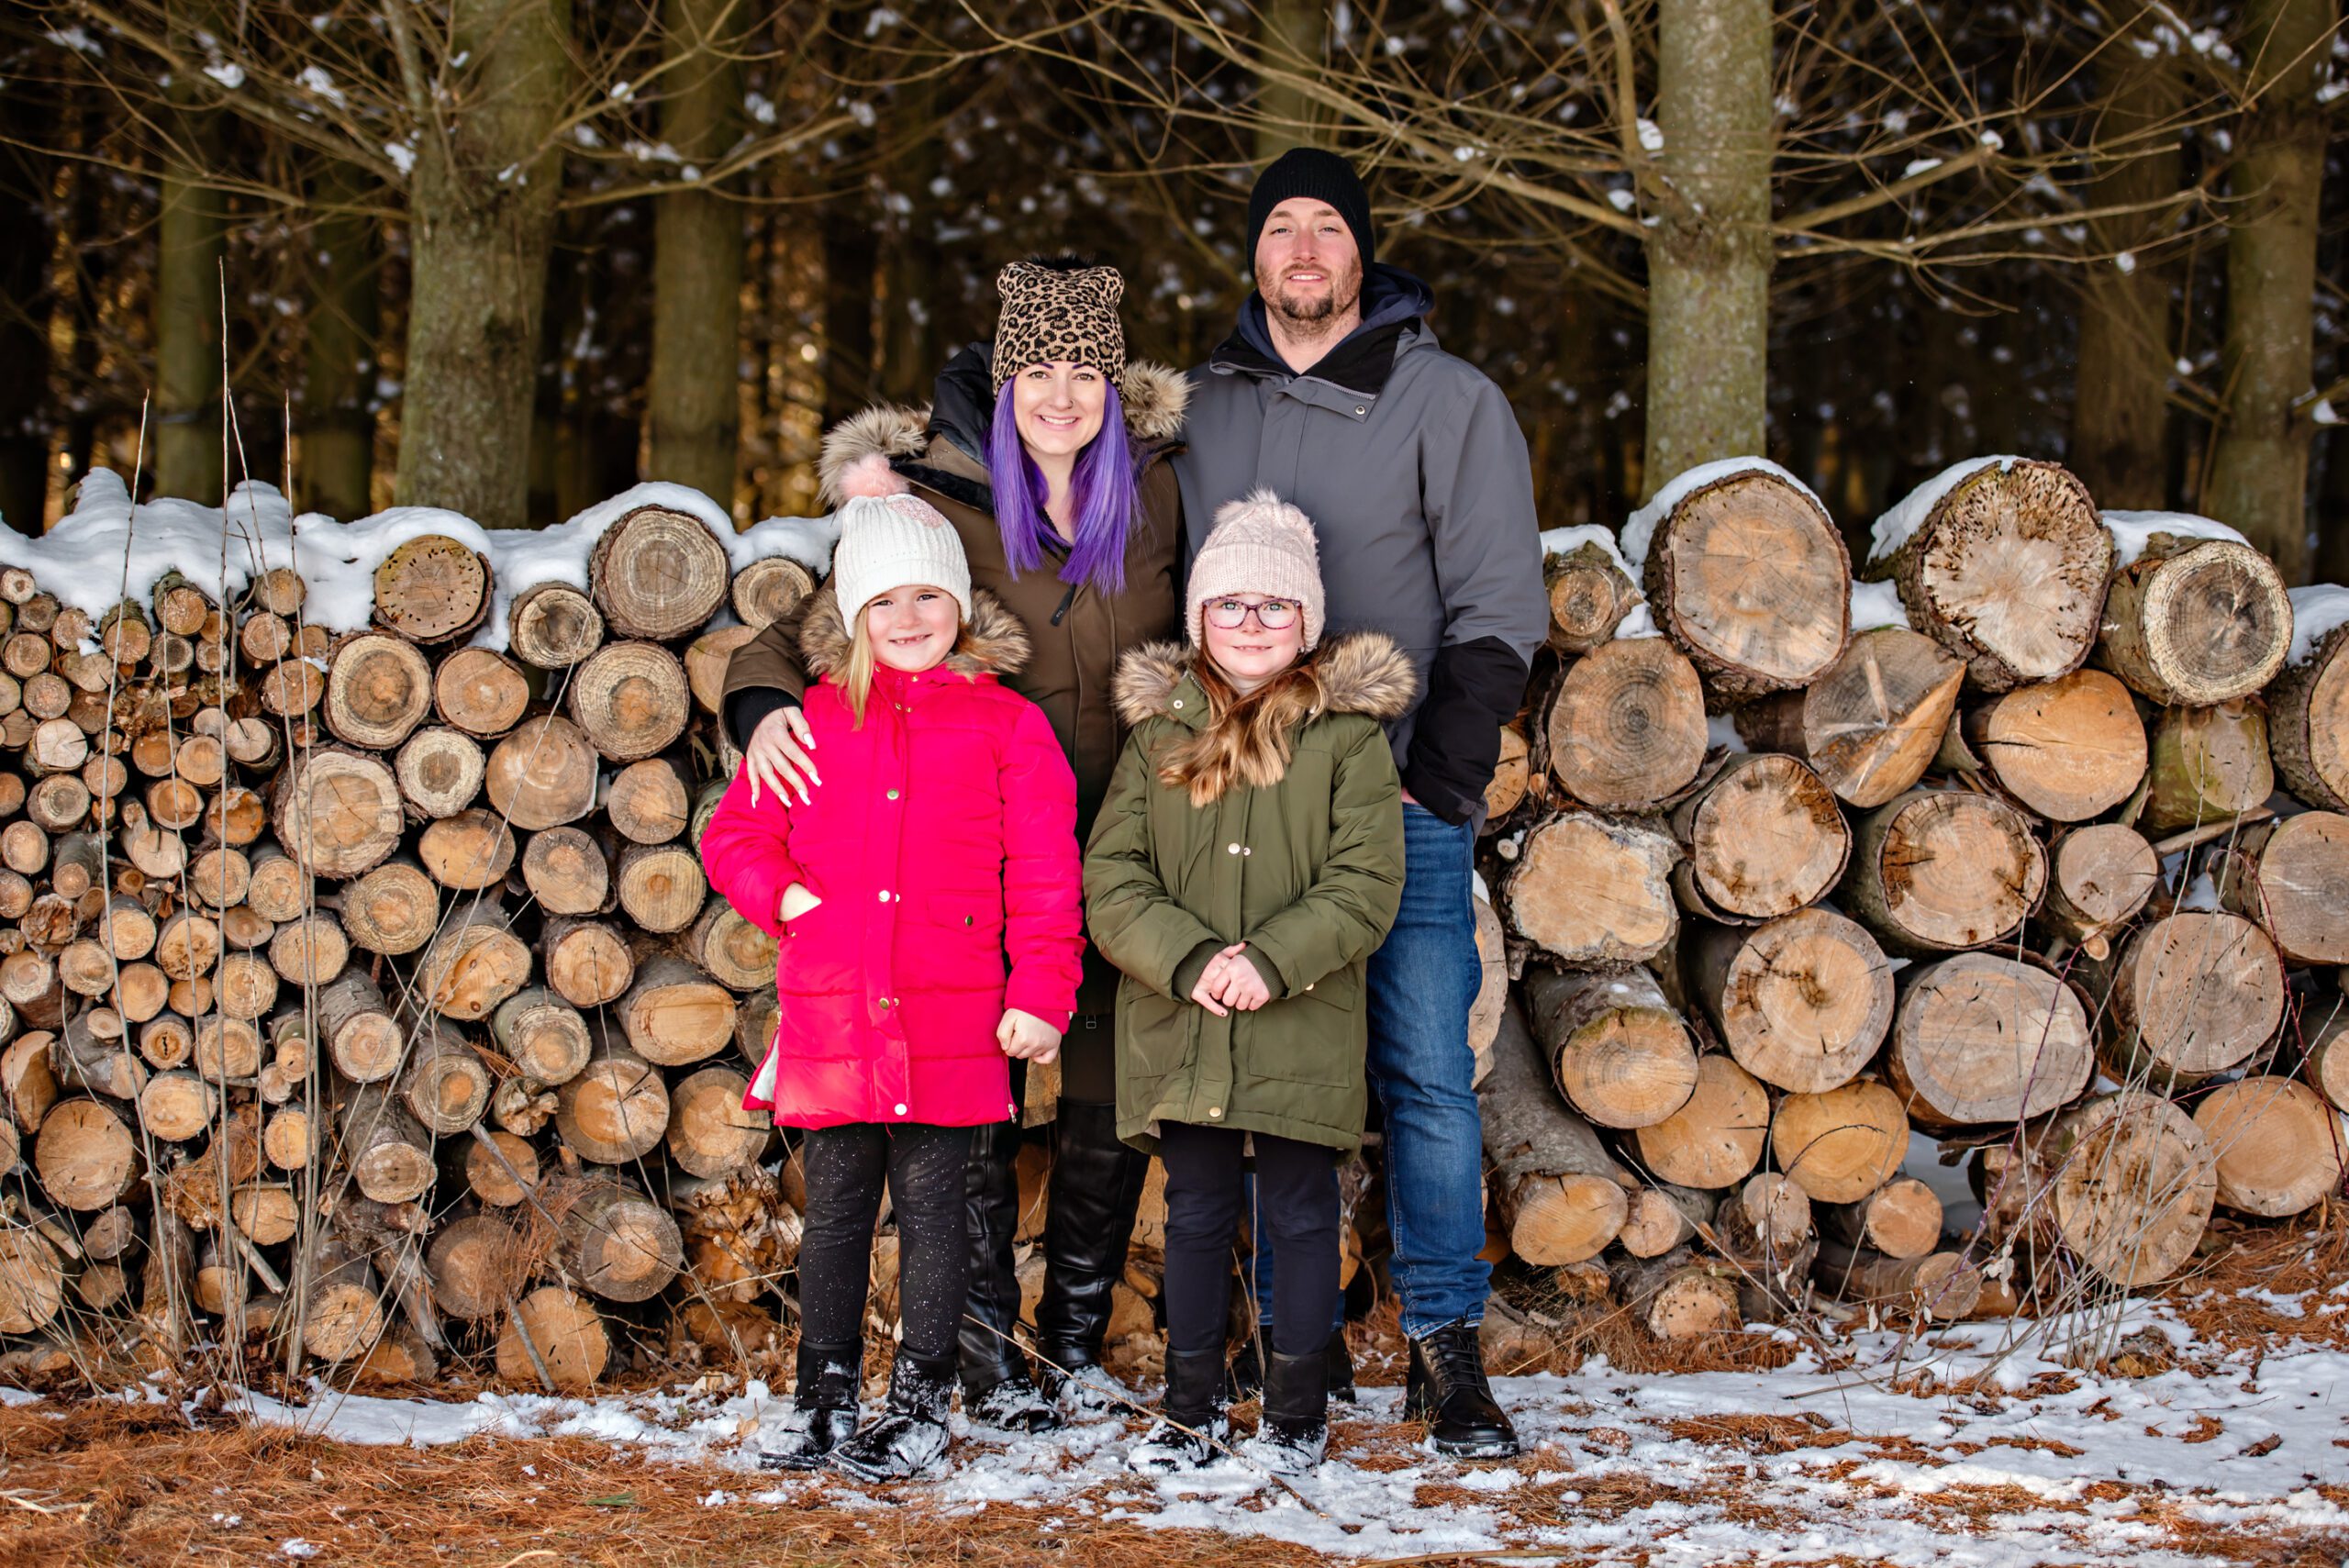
(1315, 313)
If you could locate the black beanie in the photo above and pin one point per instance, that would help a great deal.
(1321, 176)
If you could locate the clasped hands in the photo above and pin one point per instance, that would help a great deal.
(1230, 981)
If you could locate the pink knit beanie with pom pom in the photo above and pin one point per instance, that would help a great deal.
(890, 538)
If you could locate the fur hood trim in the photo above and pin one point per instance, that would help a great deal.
(1362, 671)
(1154, 395)
(994, 642)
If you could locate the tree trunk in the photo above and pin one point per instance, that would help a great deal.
(339, 353)
(693, 400)
(26, 240)
(482, 215)
(191, 241)
(1709, 259)
(2259, 469)
(2121, 413)
(1291, 39)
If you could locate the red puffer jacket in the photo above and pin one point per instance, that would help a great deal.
(942, 841)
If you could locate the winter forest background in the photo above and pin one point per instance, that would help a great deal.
(510, 256)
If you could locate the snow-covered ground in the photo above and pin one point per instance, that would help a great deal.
(1960, 1448)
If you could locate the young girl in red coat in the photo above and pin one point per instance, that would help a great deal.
(925, 902)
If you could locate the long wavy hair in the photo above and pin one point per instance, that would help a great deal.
(1246, 738)
(1103, 497)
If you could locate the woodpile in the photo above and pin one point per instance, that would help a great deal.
(362, 1004)
(2004, 870)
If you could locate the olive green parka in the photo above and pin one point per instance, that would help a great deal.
(1307, 871)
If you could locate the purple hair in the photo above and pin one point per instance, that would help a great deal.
(1102, 494)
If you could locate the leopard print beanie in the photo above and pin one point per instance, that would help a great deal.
(1048, 315)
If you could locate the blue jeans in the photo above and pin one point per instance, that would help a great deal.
(1422, 983)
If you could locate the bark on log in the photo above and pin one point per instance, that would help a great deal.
(1942, 1286)
(2292, 877)
(363, 1040)
(553, 626)
(2191, 995)
(387, 1151)
(432, 589)
(1587, 890)
(675, 1015)
(2308, 708)
(1616, 1049)
(2207, 764)
(1842, 1143)
(541, 1035)
(2098, 878)
(444, 1084)
(566, 871)
(1901, 1219)
(1589, 596)
(2195, 622)
(1717, 1138)
(346, 1309)
(1558, 1189)
(2326, 1060)
(543, 774)
(631, 699)
(1980, 1040)
(2277, 1145)
(1938, 871)
(1762, 839)
(2008, 569)
(1749, 576)
(2134, 1181)
(1802, 1002)
(2068, 749)
(378, 690)
(480, 692)
(1678, 1298)
(1628, 727)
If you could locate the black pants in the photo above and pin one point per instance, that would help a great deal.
(1297, 1210)
(923, 1167)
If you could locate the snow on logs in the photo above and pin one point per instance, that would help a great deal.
(2015, 825)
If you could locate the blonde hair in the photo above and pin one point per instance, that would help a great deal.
(855, 677)
(1247, 735)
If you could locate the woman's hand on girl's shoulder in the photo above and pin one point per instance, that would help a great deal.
(778, 756)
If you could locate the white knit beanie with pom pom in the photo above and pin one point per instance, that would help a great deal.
(891, 537)
(1260, 544)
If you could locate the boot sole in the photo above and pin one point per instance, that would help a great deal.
(1498, 1449)
(782, 1462)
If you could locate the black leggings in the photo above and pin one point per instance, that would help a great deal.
(1297, 1206)
(923, 1167)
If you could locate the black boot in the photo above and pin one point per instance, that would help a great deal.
(998, 1390)
(1447, 1389)
(1191, 1421)
(1295, 1431)
(1247, 1378)
(1096, 1188)
(823, 1408)
(909, 1443)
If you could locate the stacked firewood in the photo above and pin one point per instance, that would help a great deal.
(365, 1008)
(365, 993)
(2009, 869)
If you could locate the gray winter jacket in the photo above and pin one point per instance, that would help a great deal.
(1412, 468)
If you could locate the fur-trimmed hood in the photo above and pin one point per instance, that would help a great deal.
(1154, 398)
(1363, 672)
(994, 643)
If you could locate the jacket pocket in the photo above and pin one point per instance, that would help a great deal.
(1318, 1037)
(1155, 1036)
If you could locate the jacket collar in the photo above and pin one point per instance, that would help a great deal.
(1395, 305)
(943, 447)
(995, 643)
(1362, 671)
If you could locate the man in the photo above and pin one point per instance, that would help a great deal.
(1333, 394)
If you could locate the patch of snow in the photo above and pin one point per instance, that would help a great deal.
(1639, 528)
(2317, 611)
(1720, 730)
(2324, 413)
(1875, 604)
(1919, 166)
(298, 1547)
(1651, 136)
(1894, 528)
(2202, 892)
(2132, 530)
(12, 1397)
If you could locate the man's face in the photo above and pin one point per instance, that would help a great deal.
(1308, 268)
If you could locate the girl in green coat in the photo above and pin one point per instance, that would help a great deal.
(1247, 862)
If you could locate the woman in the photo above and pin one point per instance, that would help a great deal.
(1046, 452)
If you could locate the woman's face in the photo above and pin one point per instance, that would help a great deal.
(1250, 653)
(912, 629)
(1058, 407)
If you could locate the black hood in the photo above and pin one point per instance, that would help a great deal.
(962, 405)
(1392, 299)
